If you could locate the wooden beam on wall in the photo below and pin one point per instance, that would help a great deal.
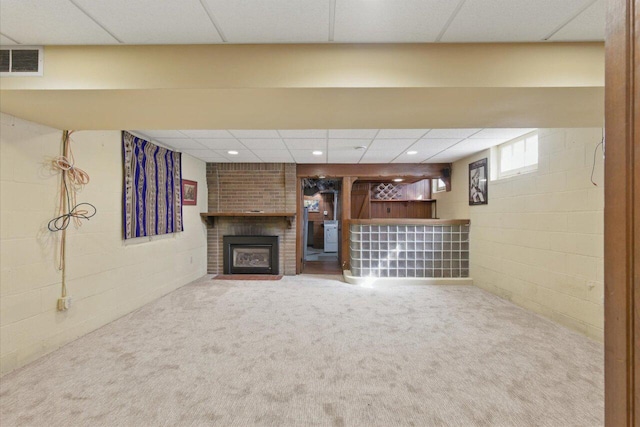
(378, 170)
(622, 211)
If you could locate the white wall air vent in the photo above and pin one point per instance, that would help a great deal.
(21, 61)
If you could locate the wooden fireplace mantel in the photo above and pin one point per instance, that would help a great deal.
(210, 217)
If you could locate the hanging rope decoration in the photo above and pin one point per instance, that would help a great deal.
(73, 180)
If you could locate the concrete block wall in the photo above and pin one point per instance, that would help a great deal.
(106, 276)
(540, 240)
(239, 187)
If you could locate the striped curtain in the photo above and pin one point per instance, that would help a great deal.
(152, 188)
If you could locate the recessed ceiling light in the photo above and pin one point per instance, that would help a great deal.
(411, 153)
(317, 153)
(398, 179)
(232, 152)
(360, 147)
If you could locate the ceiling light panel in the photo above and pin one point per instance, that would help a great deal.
(263, 144)
(154, 22)
(352, 133)
(303, 133)
(221, 144)
(273, 21)
(588, 26)
(310, 144)
(509, 20)
(391, 21)
(255, 134)
(50, 22)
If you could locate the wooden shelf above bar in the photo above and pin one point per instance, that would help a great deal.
(210, 217)
(409, 221)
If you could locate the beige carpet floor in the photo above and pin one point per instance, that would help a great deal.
(313, 351)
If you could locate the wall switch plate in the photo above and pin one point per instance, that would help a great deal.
(64, 303)
(326, 213)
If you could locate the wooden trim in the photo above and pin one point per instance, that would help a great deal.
(622, 208)
(210, 216)
(367, 171)
(299, 227)
(345, 256)
(409, 221)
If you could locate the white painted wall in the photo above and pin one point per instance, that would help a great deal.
(106, 276)
(540, 240)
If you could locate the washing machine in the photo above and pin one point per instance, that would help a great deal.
(331, 236)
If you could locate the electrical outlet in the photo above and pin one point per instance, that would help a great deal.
(326, 213)
(64, 303)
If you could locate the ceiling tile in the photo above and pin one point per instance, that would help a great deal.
(181, 143)
(344, 156)
(154, 22)
(505, 134)
(433, 145)
(588, 26)
(263, 144)
(207, 133)
(303, 133)
(255, 133)
(161, 133)
(391, 21)
(50, 22)
(308, 144)
(401, 133)
(477, 144)
(348, 143)
(406, 158)
(242, 157)
(305, 156)
(201, 154)
(451, 133)
(221, 144)
(5, 41)
(272, 156)
(273, 21)
(378, 156)
(509, 20)
(394, 145)
(445, 158)
(352, 133)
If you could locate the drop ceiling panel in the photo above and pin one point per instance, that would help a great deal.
(391, 21)
(50, 22)
(445, 158)
(305, 156)
(181, 143)
(303, 133)
(450, 133)
(154, 22)
(410, 158)
(352, 133)
(401, 133)
(376, 156)
(273, 21)
(245, 156)
(475, 145)
(263, 144)
(221, 144)
(510, 20)
(433, 145)
(588, 26)
(392, 145)
(6, 41)
(306, 144)
(255, 134)
(505, 134)
(161, 133)
(200, 154)
(348, 143)
(344, 156)
(274, 156)
(198, 133)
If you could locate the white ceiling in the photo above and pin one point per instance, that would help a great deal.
(336, 145)
(84, 22)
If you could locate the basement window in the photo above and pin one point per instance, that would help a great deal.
(438, 185)
(518, 156)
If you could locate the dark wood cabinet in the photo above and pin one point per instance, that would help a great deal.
(389, 200)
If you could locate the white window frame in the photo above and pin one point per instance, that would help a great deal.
(435, 187)
(518, 171)
(38, 73)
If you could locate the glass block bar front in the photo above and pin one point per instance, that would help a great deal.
(416, 250)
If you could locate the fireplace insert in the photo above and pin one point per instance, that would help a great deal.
(250, 254)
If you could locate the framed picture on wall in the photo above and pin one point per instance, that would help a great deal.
(478, 183)
(313, 205)
(189, 192)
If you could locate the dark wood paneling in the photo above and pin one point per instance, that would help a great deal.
(622, 215)
(345, 253)
(412, 221)
(384, 170)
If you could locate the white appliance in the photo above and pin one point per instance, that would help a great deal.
(331, 236)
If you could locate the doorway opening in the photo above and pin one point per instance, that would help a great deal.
(321, 230)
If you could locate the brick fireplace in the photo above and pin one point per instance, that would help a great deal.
(242, 187)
